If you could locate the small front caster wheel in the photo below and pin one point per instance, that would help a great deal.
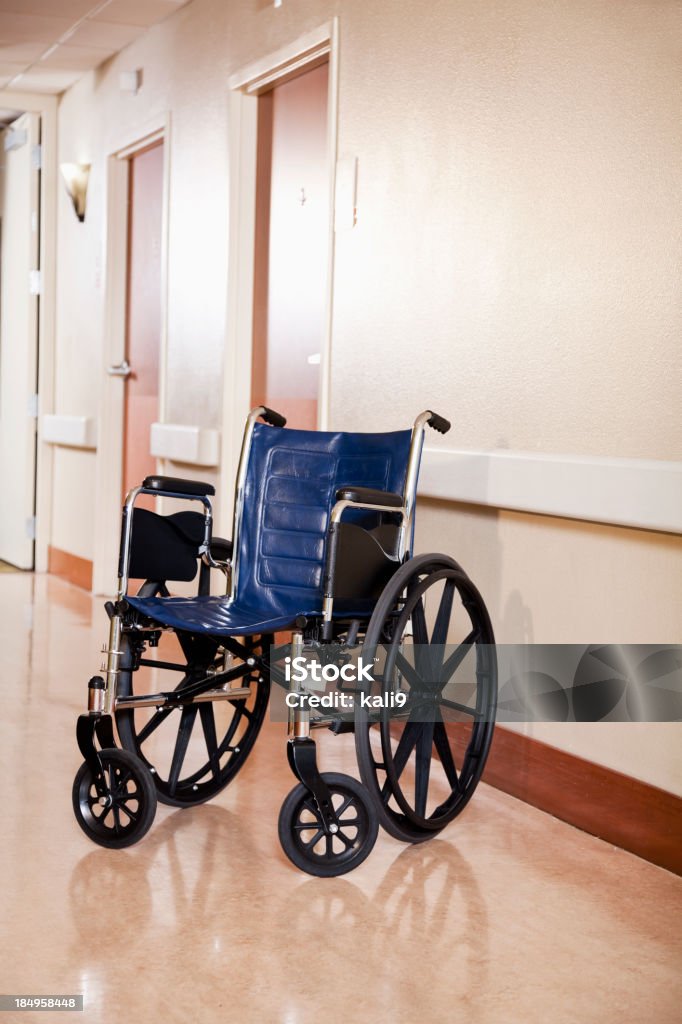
(120, 811)
(303, 837)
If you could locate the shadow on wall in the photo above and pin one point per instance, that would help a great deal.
(470, 534)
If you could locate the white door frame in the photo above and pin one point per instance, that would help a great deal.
(306, 52)
(46, 107)
(109, 461)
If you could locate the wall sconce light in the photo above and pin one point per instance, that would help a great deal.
(76, 179)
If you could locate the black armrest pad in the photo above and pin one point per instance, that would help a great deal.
(177, 485)
(368, 496)
(221, 549)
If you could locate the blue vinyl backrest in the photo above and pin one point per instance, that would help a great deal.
(291, 483)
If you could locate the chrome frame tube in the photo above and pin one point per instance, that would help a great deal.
(113, 653)
(299, 719)
(240, 485)
(149, 700)
(411, 478)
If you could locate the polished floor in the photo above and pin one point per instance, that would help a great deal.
(511, 916)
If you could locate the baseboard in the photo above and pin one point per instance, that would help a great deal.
(621, 810)
(70, 567)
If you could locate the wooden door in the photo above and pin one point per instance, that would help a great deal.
(143, 323)
(292, 244)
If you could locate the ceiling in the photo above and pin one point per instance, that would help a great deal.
(47, 45)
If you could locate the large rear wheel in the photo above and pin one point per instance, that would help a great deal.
(194, 750)
(433, 644)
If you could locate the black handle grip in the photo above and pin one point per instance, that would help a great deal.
(439, 423)
(275, 419)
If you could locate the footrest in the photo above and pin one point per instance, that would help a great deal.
(341, 725)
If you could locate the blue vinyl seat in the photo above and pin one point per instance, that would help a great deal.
(290, 489)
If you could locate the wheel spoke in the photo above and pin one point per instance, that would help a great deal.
(463, 708)
(423, 768)
(121, 780)
(189, 714)
(458, 656)
(131, 814)
(344, 805)
(227, 738)
(154, 722)
(421, 635)
(440, 741)
(329, 845)
(439, 637)
(117, 819)
(315, 840)
(207, 716)
(408, 670)
(406, 745)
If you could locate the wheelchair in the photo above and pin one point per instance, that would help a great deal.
(320, 566)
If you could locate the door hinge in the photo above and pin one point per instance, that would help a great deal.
(37, 157)
(31, 527)
(15, 138)
(33, 406)
(35, 282)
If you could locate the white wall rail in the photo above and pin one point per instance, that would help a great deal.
(195, 446)
(642, 493)
(70, 431)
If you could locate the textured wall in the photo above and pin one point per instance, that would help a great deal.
(515, 265)
(517, 236)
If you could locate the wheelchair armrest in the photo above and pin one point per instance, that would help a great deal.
(221, 549)
(176, 485)
(368, 496)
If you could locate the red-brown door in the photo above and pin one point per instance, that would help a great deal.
(291, 252)
(143, 324)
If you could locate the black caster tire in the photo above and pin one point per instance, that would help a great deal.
(302, 836)
(131, 793)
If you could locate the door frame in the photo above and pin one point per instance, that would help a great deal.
(244, 87)
(46, 107)
(109, 459)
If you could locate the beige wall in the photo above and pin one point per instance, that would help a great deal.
(552, 581)
(515, 265)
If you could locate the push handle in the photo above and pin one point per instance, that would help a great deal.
(275, 419)
(438, 423)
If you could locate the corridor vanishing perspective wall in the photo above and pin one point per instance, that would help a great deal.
(515, 265)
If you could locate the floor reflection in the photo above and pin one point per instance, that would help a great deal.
(508, 916)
